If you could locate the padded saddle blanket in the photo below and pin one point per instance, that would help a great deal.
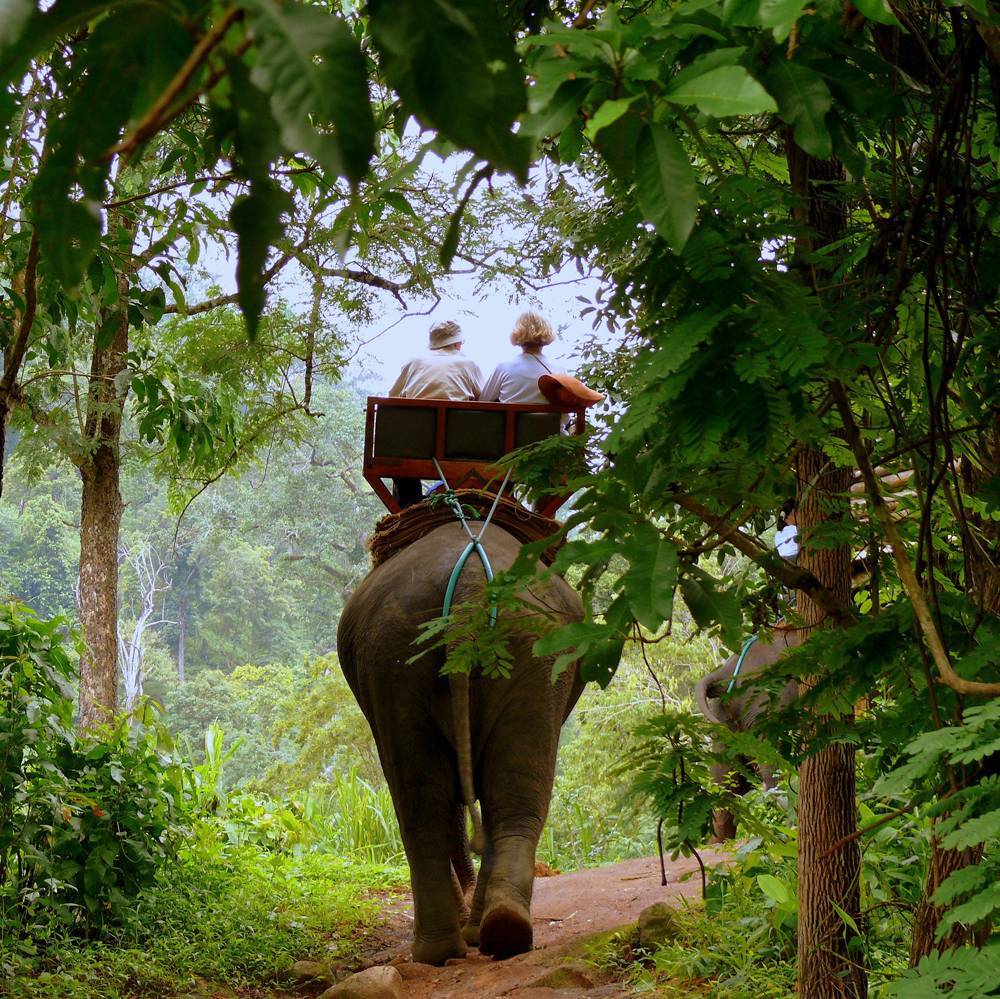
(397, 530)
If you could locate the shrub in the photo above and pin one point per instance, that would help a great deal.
(84, 821)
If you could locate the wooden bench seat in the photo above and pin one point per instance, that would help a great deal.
(404, 436)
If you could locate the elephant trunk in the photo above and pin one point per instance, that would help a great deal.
(459, 686)
(701, 693)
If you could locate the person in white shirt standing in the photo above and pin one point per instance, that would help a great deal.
(517, 380)
(444, 372)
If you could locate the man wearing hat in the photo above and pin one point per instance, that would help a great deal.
(444, 372)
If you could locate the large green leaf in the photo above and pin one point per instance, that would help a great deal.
(780, 16)
(118, 70)
(710, 606)
(724, 91)
(666, 185)
(14, 15)
(455, 66)
(803, 101)
(22, 39)
(877, 10)
(310, 65)
(256, 218)
(650, 581)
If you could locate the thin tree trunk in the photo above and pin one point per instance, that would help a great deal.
(181, 637)
(829, 875)
(25, 284)
(100, 525)
(100, 518)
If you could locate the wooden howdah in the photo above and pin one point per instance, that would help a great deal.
(404, 436)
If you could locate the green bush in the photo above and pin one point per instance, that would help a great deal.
(84, 821)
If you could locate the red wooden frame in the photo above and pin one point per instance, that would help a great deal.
(460, 474)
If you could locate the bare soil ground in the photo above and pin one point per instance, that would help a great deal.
(567, 909)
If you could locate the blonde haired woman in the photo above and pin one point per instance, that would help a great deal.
(517, 380)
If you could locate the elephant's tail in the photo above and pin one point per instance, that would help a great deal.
(459, 685)
(702, 696)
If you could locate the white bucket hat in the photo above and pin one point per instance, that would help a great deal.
(445, 334)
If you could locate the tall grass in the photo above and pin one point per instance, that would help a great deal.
(355, 819)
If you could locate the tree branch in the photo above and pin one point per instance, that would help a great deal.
(155, 117)
(907, 575)
(782, 570)
(14, 355)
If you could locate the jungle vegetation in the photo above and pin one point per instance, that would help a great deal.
(791, 210)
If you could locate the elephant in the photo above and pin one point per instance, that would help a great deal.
(439, 734)
(740, 711)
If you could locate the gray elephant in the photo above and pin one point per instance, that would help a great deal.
(740, 710)
(424, 724)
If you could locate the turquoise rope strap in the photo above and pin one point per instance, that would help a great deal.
(474, 544)
(739, 663)
(449, 593)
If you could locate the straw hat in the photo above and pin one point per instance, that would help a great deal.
(565, 390)
(445, 334)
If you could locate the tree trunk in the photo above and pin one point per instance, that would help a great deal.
(983, 587)
(100, 523)
(25, 284)
(829, 875)
(181, 637)
(928, 915)
(100, 520)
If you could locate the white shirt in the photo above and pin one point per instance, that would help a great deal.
(787, 541)
(439, 374)
(517, 380)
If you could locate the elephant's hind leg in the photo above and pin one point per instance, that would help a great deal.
(426, 800)
(517, 785)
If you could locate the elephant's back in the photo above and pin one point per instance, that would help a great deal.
(385, 613)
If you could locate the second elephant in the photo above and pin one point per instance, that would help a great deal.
(740, 710)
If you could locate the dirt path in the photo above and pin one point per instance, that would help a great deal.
(566, 910)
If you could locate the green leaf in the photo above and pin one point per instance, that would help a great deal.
(721, 92)
(255, 131)
(774, 889)
(256, 219)
(650, 581)
(36, 35)
(454, 64)
(710, 606)
(117, 70)
(608, 113)
(973, 832)
(14, 15)
(666, 185)
(780, 16)
(877, 10)
(579, 634)
(552, 118)
(600, 662)
(803, 101)
(310, 65)
(449, 245)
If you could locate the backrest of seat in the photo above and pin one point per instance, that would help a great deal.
(529, 428)
(404, 432)
(474, 435)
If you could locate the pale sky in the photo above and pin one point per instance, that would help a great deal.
(486, 323)
(381, 349)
